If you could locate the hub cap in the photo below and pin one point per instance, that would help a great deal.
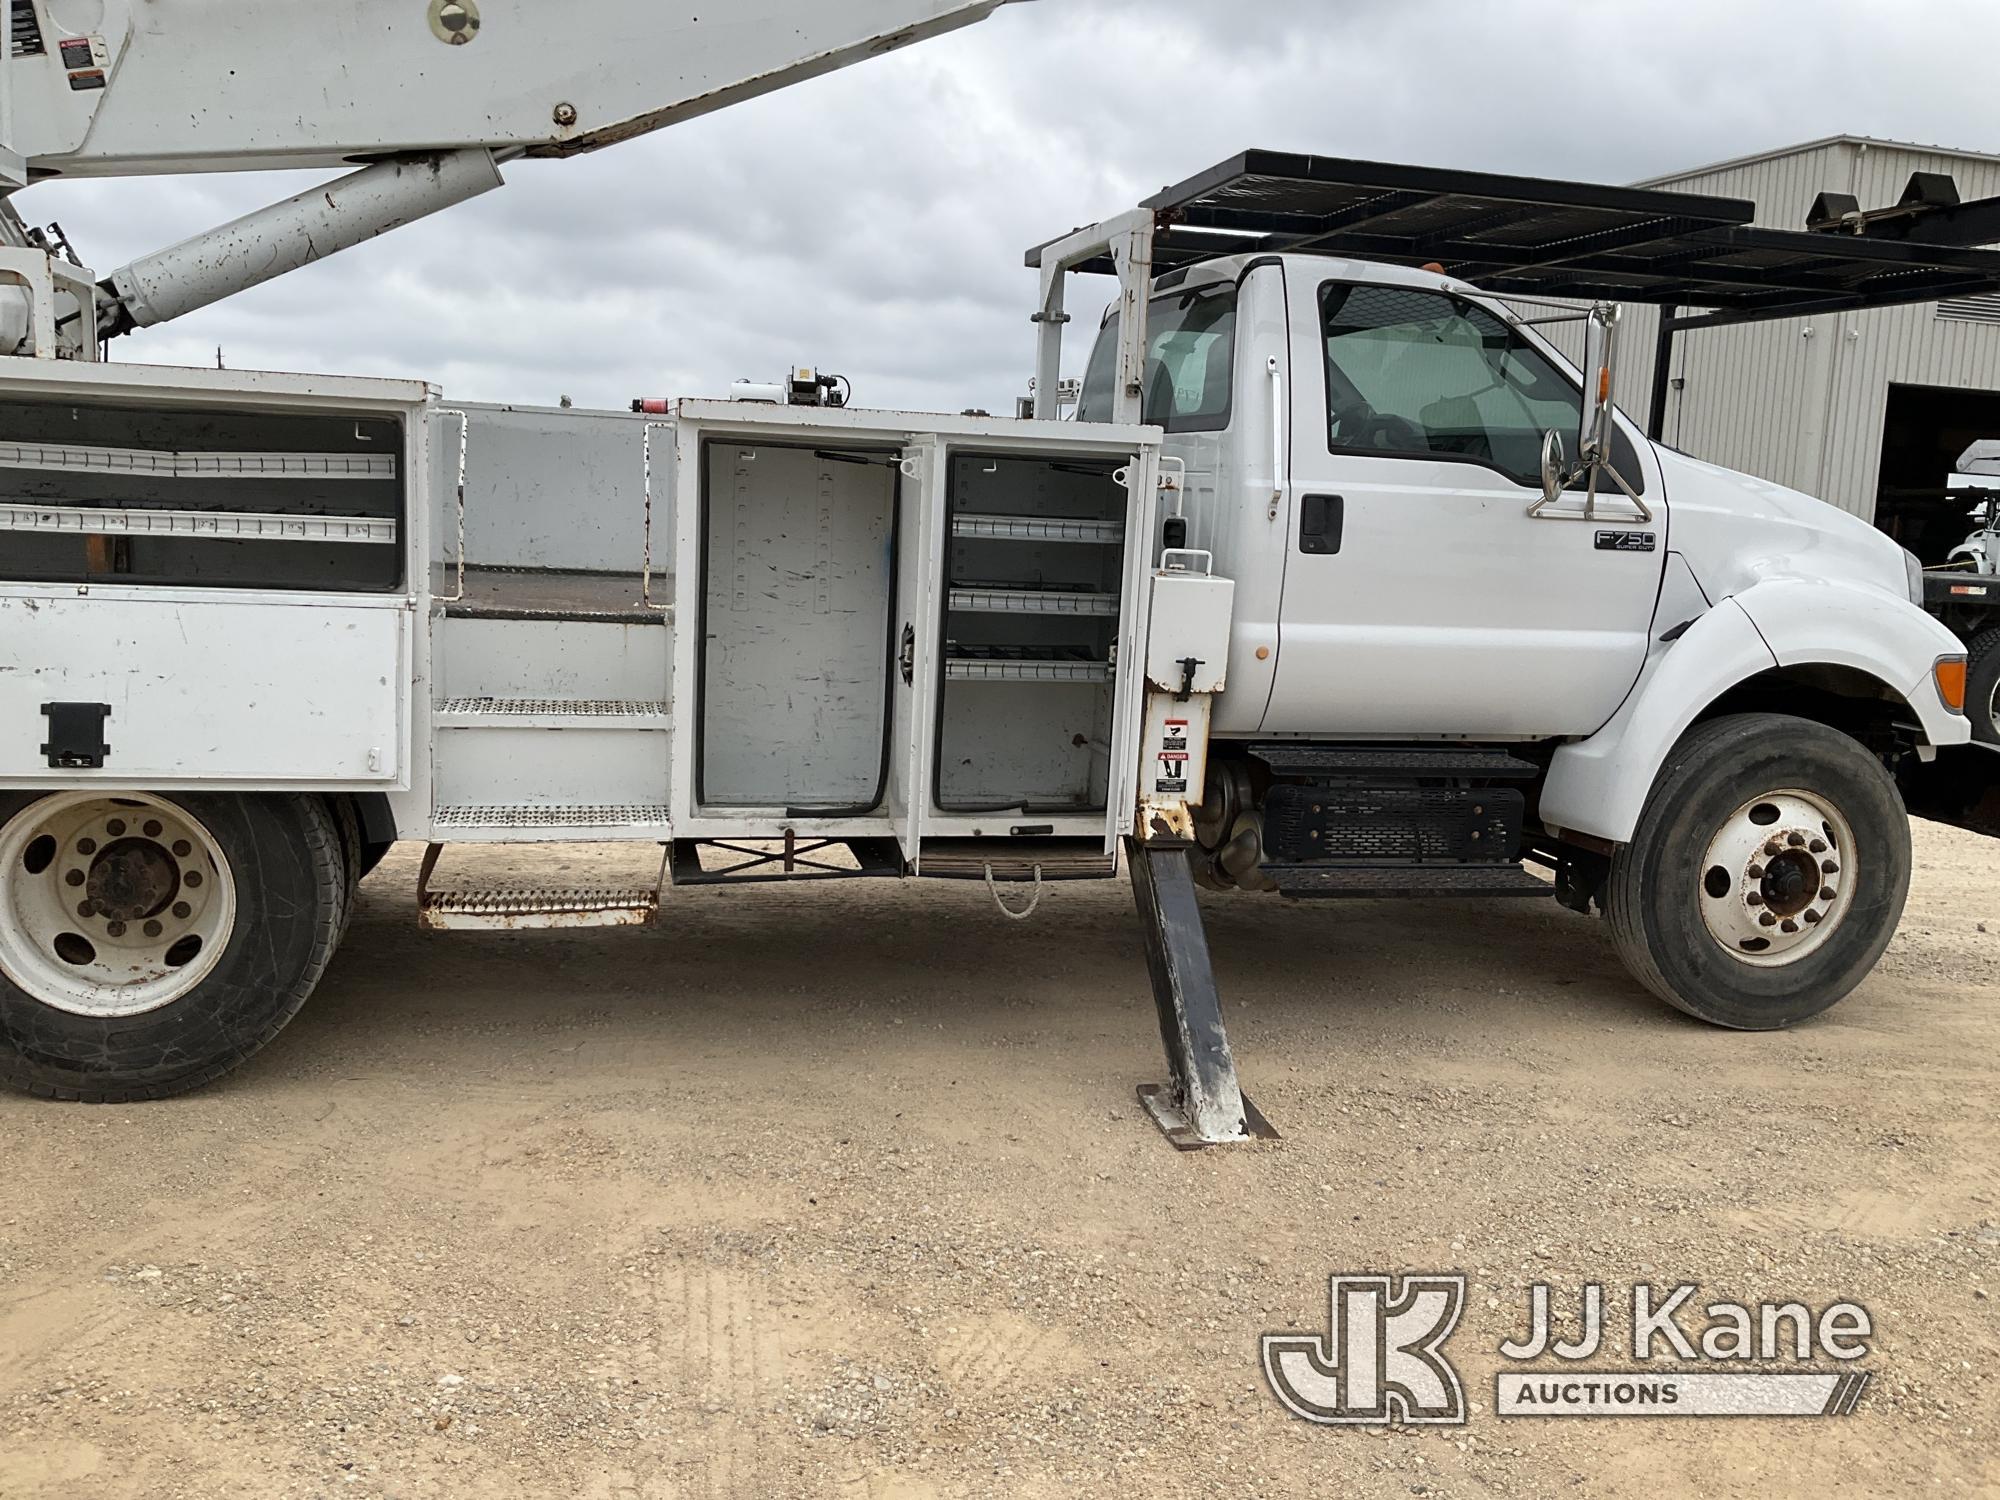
(111, 906)
(1775, 880)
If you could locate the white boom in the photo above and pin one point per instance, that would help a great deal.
(427, 94)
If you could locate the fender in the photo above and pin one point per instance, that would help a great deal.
(1866, 629)
(1599, 785)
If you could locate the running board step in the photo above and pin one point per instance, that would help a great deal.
(1380, 881)
(523, 909)
(553, 823)
(1393, 762)
(549, 713)
(526, 910)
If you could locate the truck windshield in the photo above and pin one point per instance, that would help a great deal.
(1190, 362)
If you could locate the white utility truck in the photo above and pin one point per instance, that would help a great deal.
(1310, 599)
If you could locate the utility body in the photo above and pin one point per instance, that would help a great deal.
(1311, 598)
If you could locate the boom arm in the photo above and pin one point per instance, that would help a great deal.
(111, 88)
(429, 94)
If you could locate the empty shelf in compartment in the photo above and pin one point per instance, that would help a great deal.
(966, 663)
(1020, 599)
(1037, 529)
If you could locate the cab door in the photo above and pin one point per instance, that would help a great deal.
(1421, 595)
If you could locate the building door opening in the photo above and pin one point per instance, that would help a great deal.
(1926, 429)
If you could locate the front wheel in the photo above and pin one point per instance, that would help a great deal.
(149, 944)
(1767, 874)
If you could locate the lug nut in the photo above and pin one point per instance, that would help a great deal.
(1828, 867)
(1788, 925)
(75, 877)
(1796, 840)
(182, 910)
(1828, 893)
(1755, 872)
(152, 828)
(1754, 898)
(182, 848)
(1769, 919)
(86, 846)
(152, 929)
(1814, 916)
(115, 827)
(1818, 846)
(116, 929)
(86, 908)
(191, 879)
(1772, 846)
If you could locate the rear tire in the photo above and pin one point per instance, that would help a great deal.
(1767, 874)
(247, 894)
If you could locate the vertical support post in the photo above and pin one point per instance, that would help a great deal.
(1202, 1104)
(1132, 252)
(1663, 374)
(1049, 324)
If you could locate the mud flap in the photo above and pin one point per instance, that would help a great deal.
(1960, 786)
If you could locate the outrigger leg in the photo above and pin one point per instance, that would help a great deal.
(1201, 1104)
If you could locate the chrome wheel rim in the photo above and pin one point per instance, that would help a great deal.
(1777, 878)
(111, 906)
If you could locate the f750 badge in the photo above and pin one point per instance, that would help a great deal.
(1627, 541)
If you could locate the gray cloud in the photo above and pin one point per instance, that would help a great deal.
(873, 221)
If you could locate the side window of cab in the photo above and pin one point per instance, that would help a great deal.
(1414, 372)
(1190, 362)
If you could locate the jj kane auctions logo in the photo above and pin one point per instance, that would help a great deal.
(1382, 1359)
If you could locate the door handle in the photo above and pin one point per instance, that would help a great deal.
(1322, 518)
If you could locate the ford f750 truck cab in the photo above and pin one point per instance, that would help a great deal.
(1684, 693)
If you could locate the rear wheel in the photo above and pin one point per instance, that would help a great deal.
(149, 944)
(1767, 874)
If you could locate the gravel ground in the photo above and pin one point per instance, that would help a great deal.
(843, 1192)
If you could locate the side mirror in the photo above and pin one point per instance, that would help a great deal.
(1600, 345)
(1555, 467)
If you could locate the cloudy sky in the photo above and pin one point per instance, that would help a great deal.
(872, 222)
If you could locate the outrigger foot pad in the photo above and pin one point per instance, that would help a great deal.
(1201, 1104)
(1158, 1101)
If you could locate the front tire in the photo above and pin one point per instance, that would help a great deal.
(150, 944)
(1767, 874)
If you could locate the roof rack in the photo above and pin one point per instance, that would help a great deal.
(1530, 237)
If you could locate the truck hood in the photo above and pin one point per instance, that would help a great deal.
(1735, 531)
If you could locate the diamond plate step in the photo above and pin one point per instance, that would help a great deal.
(1391, 761)
(525, 910)
(551, 713)
(1381, 881)
(545, 823)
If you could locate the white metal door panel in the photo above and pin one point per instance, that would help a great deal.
(1448, 610)
(209, 690)
(920, 561)
(1441, 606)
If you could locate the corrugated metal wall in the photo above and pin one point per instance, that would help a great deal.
(1803, 402)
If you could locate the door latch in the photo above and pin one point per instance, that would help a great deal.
(909, 655)
(76, 735)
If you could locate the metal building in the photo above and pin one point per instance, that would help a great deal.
(1868, 409)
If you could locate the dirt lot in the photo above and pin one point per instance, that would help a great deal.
(843, 1191)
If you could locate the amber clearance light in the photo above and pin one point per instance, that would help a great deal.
(1950, 675)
